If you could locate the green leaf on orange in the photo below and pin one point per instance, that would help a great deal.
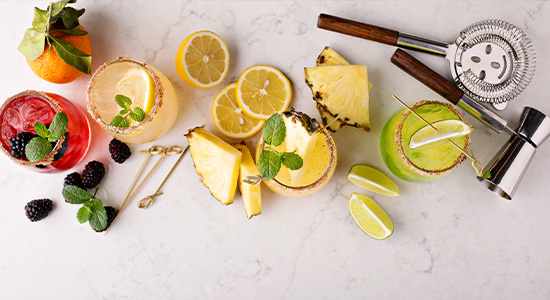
(72, 56)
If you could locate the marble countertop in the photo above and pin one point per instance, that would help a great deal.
(453, 238)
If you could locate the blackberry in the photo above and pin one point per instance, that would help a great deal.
(38, 209)
(73, 179)
(61, 151)
(119, 151)
(111, 214)
(18, 143)
(92, 174)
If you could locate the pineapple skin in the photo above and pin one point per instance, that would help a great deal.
(232, 159)
(251, 194)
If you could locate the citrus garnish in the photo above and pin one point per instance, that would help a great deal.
(428, 137)
(262, 91)
(370, 217)
(229, 118)
(139, 86)
(372, 180)
(202, 59)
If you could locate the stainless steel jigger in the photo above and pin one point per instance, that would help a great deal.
(505, 171)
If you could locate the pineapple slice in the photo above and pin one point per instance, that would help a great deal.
(342, 91)
(301, 136)
(216, 162)
(251, 194)
(329, 57)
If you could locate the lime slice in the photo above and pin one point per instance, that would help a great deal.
(370, 217)
(138, 85)
(428, 137)
(372, 180)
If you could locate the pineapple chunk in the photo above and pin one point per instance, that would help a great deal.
(342, 91)
(251, 194)
(301, 136)
(329, 57)
(216, 162)
(328, 118)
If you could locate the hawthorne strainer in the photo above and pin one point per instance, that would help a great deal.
(491, 61)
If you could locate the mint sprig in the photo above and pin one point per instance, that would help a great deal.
(40, 146)
(36, 38)
(92, 209)
(269, 162)
(121, 120)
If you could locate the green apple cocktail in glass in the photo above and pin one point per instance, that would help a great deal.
(426, 163)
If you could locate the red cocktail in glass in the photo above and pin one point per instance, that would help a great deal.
(19, 114)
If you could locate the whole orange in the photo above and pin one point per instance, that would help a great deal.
(49, 66)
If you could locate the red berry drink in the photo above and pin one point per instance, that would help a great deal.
(19, 114)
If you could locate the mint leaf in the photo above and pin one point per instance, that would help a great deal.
(41, 130)
(274, 130)
(116, 121)
(138, 114)
(33, 43)
(58, 126)
(84, 213)
(70, 17)
(98, 218)
(123, 111)
(125, 123)
(72, 56)
(37, 149)
(291, 160)
(40, 20)
(269, 164)
(123, 101)
(75, 195)
(74, 31)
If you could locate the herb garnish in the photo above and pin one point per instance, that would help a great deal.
(40, 146)
(121, 120)
(92, 209)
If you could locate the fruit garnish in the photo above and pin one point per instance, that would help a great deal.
(329, 57)
(372, 180)
(92, 209)
(139, 85)
(120, 152)
(427, 136)
(216, 162)
(38, 209)
(18, 143)
(251, 194)
(202, 59)
(40, 146)
(57, 47)
(370, 217)
(342, 91)
(121, 120)
(269, 160)
(230, 119)
(262, 91)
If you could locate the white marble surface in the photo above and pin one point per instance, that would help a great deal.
(453, 238)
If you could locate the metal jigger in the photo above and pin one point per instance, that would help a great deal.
(506, 169)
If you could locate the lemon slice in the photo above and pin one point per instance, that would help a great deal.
(262, 91)
(202, 59)
(230, 119)
(372, 180)
(428, 137)
(139, 86)
(370, 217)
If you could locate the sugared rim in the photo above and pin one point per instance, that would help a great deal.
(55, 105)
(307, 188)
(411, 164)
(93, 110)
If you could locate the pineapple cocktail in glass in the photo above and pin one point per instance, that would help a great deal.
(425, 163)
(149, 91)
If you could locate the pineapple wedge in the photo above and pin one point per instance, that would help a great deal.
(216, 162)
(342, 91)
(301, 136)
(329, 57)
(251, 194)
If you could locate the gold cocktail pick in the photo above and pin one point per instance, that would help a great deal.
(476, 162)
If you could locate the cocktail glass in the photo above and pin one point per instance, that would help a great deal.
(20, 112)
(426, 164)
(105, 85)
(318, 170)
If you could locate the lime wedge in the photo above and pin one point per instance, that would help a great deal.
(428, 137)
(138, 85)
(370, 217)
(372, 180)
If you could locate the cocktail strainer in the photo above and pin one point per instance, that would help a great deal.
(491, 61)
